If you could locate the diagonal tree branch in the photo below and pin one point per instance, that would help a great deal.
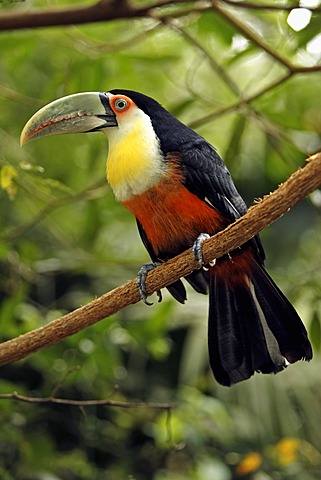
(107, 10)
(249, 33)
(259, 216)
(239, 103)
(257, 40)
(103, 10)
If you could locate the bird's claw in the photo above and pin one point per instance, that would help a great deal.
(197, 250)
(141, 282)
(197, 247)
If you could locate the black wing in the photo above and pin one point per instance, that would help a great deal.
(207, 176)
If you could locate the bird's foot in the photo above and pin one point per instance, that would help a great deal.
(141, 282)
(198, 253)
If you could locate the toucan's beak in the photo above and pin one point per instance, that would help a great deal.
(81, 112)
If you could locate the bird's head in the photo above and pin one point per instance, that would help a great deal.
(106, 112)
(140, 133)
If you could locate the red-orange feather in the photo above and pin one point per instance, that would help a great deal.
(171, 215)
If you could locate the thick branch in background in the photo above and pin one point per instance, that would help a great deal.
(50, 17)
(258, 217)
(106, 10)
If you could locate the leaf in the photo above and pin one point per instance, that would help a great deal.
(7, 175)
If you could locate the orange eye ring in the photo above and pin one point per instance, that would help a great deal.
(120, 103)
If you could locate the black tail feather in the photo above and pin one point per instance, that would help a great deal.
(177, 290)
(284, 321)
(252, 327)
(197, 279)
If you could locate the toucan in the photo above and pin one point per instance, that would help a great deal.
(180, 191)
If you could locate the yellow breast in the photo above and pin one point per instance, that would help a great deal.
(134, 162)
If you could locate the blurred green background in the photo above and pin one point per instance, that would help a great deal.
(64, 240)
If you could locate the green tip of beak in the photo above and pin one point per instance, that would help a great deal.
(78, 113)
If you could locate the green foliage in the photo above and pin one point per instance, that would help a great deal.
(64, 240)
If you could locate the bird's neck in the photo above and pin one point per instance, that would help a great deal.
(134, 162)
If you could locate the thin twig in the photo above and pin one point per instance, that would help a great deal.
(61, 382)
(83, 40)
(221, 72)
(15, 232)
(250, 34)
(239, 103)
(85, 403)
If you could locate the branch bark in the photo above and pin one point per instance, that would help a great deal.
(106, 10)
(102, 11)
(258, 217)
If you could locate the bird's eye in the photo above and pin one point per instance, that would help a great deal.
(121, 104)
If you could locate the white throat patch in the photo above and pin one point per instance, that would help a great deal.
(135, 162)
